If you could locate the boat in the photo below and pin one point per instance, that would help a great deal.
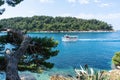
(69, 38)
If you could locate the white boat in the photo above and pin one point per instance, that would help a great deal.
(69, 38)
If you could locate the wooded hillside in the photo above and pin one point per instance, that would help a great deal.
(48, 23)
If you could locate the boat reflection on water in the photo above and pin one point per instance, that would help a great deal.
(69, 38)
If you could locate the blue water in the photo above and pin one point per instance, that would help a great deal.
(93, 48)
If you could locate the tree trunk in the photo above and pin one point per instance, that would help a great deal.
(13, 58)
(12, 69)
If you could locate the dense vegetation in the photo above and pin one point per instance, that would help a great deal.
(116, 59)
(47, 23)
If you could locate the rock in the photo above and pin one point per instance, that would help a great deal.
(60, 77)
(118, 67)
(27, 77)
(113, 74)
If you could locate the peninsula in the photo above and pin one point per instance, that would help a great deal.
(56, 24)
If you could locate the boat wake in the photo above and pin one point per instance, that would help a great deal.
(100, 40)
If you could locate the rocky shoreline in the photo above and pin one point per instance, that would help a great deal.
(69, 31)
(108, 75)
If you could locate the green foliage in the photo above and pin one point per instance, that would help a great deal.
(3, 39)
(1, 26)
(1, 11)
(13, 2)
(1, 2)
(40, 52)
(10, 3)
(2, 58)
(2, 63)
(47, 23)
(116, 59)
(36, 55)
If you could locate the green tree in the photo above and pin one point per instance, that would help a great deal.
(28, 53)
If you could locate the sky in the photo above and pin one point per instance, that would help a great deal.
(104, 10)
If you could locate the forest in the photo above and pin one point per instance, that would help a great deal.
(48, 23)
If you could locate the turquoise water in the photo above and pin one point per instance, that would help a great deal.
(93, 48)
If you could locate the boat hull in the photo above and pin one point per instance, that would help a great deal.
(67, 39)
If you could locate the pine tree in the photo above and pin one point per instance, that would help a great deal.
(28, 53)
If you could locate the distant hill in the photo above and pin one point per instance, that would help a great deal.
(48, 23)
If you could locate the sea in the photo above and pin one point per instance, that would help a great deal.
(95, 49)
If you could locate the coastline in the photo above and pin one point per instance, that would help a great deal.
(69, 31)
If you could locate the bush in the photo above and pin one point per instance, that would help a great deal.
(116, 59)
